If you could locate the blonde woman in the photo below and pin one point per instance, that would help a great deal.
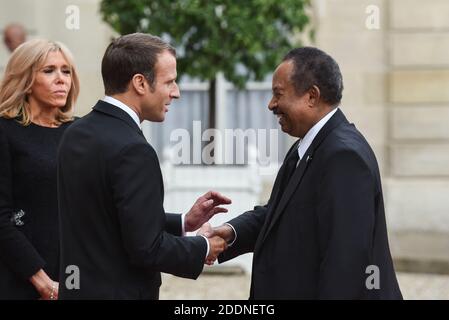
(37, 95)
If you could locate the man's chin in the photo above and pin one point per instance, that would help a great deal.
(285, 128)
(160, 118)
(288, 130)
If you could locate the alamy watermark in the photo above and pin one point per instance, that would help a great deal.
(72, 282)
(372, 21)
(72, 20)
(228, 146)
(373, 280)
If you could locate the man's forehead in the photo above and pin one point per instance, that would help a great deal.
(166, 62)
(282, 74)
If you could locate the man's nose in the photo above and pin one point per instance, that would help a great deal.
(272, 104)
(175, 93)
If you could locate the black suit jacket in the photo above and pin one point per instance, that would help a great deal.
(112, 219)
(328, 227)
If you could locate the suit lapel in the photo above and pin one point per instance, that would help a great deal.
(280, 174)
(294, 182)
(291, 187)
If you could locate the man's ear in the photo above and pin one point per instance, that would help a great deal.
(314, 96)
(138, 83)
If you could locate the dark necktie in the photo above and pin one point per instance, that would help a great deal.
(289, 169)
(140, 132)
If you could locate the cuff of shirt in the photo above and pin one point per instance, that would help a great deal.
(235, 235)
(183, 229)
(208, 248)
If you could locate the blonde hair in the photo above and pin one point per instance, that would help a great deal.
(19, 77)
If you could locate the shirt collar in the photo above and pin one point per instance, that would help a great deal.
(305, 142)
(124, 107)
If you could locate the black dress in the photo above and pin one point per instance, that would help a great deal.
(29, 226)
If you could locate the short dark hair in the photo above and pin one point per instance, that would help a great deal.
(129, 55)
(315, 67)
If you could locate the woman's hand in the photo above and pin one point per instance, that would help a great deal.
(47, 288)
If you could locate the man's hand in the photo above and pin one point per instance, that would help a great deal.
(216, 246)
(224, 231)
(203, 209)
(206, 230)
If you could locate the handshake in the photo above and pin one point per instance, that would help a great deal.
(218, 237)
(202, 211)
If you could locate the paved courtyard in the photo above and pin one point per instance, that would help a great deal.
(218, 286)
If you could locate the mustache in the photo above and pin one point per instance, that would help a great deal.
(276, 111)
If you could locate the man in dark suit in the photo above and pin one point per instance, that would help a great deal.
(322, 234)
(115, 235)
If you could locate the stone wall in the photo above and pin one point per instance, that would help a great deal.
(418, 102)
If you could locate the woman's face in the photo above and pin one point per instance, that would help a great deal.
(52, 82)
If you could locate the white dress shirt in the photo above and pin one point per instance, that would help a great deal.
(135, 117)
(124, 107)
(305, 142)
